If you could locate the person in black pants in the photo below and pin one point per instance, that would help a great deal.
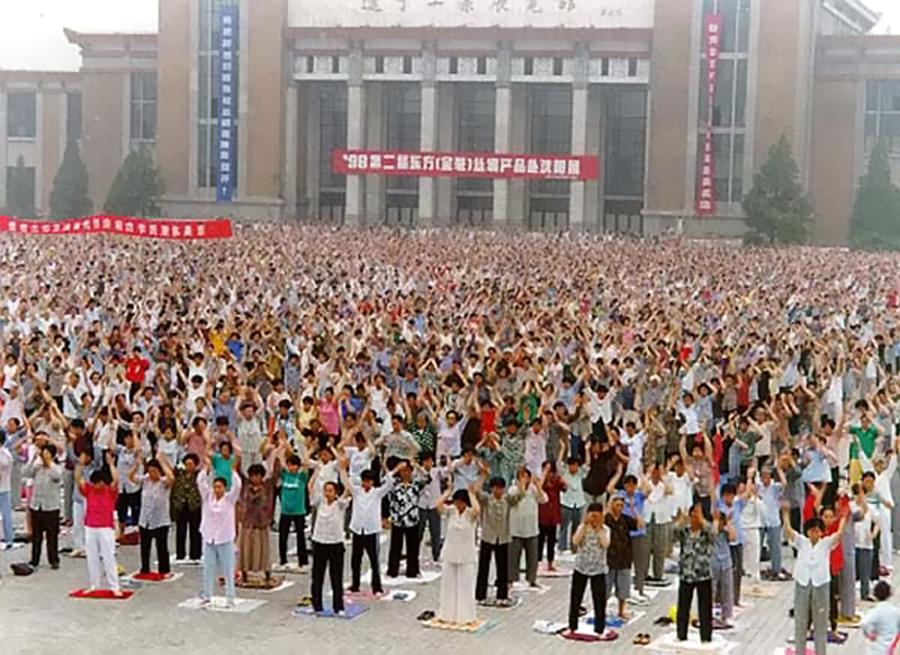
(494, 541)
(328, 541)
(696, 537)
(44, 504)
(403, 501)
(591, 539)
(186, 507)
(154, 520)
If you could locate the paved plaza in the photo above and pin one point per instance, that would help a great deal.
(37, 617)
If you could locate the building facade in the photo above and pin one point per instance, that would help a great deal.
(624, 81)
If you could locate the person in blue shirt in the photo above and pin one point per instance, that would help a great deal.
(770, 492)
(731, 506)
(723, 569)
(640, 545)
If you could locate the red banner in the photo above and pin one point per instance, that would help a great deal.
(465, 164)
(706, 192)
(170, 228)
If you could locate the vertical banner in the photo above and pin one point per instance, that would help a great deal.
(706, 193)
(226, 81)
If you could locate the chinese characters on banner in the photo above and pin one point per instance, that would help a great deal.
(706, 192)
(181, 229)
(226, 145)
(465, 164)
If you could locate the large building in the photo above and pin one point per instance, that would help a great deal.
(265, 108)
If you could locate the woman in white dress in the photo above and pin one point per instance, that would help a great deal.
(458, 558)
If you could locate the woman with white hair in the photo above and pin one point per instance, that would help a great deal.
(458, 557)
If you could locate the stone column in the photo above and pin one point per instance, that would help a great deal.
(502, 133)
(446, 142)
(428, 139)
(376, 131)
(577, 191)
(313, 143)
(356, 116)
(290, 153)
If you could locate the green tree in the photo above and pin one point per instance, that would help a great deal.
(777, 210)
(875, 223)
(137, 188)
(69, 198)
(20, 191)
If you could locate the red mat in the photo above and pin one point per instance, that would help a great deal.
(100, 594)
(610, 635)
(153, 576)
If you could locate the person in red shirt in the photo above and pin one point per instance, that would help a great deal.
(550, 513)
(135, 371)
(100, 495)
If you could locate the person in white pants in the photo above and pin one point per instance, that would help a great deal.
(100, 496)
(751, 522)
(885, 469)
(458, 557)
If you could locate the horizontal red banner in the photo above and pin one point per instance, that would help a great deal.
(465, 164)
(172, 228)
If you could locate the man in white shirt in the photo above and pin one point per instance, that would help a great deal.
(365, 526)
(812, 578)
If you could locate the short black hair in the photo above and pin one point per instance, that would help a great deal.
(728, 488)
(367, 476)
(595, 507)
(573, 460)
(882, 590)
(50, 448)
(868, 474)
(154, 463)
(221, 420)
(497, 481)
(256, 469)
(293, 460)
(629, 479)
(813, 523)
(219, 478)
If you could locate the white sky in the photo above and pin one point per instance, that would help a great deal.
(31, 36)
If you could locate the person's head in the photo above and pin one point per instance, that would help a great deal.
(573, 464)
(191, 462)
(256, 473)
(595, 515)
(225, 449)
(882, 591)
(367, 479)
(48, 452)
(828, 515)
(868, 481)
(523, 475)
(766, 476)
(100, 478)
(325, 455)
(330, 491)
(697, 450)
(293, 464)
(406, 472)
(497, 486)
(452, 418)
(461, 500)
(468, 454)
(426, 460)
(154, 470)
(728, 493)
(247, 411)
(219, 485)
(696, 514)
(813, 529)
(616, 506)
(629, 483)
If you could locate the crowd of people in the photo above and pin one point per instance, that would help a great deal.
(626, 401)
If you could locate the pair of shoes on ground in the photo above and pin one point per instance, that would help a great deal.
(641, 639)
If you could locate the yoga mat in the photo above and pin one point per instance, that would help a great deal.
(759, 591)
(99, 594)
(668, 643)
(403, 581)
(154, 576)
(259, 584)
(479, 625)
(241, 605)
(290, 568)
(609, 635)
(492, 603)
(351, 611)
(543, 572)
(524, 587)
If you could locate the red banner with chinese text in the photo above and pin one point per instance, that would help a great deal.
(706, 191)
(172, 228)
(465, 164)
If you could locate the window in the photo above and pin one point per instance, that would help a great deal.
(21, 116)
(208, 70)
(407, 65)
(604, 67)
(335, 65)
(379, 64)
(529, 65)
(728, 113)
(626, 130)
(475, 107)
(20, 190)
(882, 120)
(310, 64)
(481, 66)
(73, 116)
(454, 65)
(550, 108)
(332, 132)
(143, 109)
(557, 66)
(632, 67)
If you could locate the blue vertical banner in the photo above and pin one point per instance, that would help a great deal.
(227, 81)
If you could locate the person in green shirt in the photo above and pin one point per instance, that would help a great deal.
(862, 447)
(223, 463)
(293, 479)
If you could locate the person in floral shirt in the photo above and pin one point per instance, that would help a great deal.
(185, 508)
(403, 501)
(697, 537)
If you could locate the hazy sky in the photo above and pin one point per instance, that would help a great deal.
(31, 35)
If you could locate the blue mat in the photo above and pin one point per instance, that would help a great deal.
(351, 611)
